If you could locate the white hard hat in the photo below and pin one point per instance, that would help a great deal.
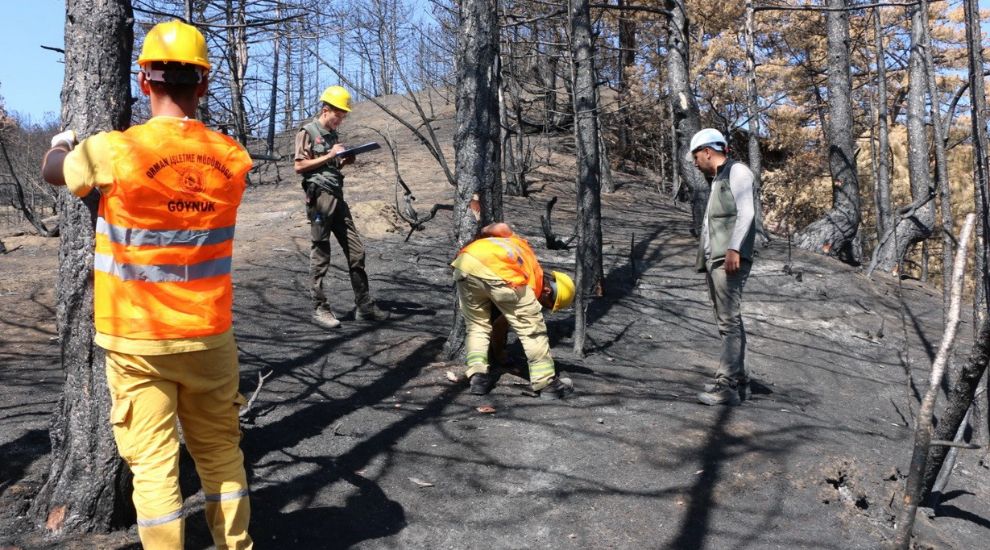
(709, 137)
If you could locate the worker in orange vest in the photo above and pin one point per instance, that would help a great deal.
(500, 269)
(169, 192)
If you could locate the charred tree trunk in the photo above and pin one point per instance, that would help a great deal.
(551, 116)
(882, 155)
(273, 98)
(19, 201)
(512, 165)
(838, 232)
(753, 145)
(923, 422)
(589, 277)
(627, 61)
(237, 56)
(511, 168)
(916, 224)
(87, 487)
(476, 139)
(289, 110)
(685, 108)
(941, 162)
(608, 182)
(959, 401)
(981, 142)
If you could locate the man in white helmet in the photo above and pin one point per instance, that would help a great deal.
(725, 255)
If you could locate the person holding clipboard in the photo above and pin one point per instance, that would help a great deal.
(319, 157)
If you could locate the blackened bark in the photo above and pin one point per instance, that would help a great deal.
(837, 233)
(513, 154)
(684, 107)
(882, 155)
(476, 139)
(753, 144)
(273, 97)
(981, 142)
(627, 60)
(959, 400)
(917, 224)
(237, 57)
(87, 486)
(589, 276)
(941, 163)
(608, 182)
(19, 201)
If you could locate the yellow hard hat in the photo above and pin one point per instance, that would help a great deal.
(337, 96)
(174, 41)
(564, 290)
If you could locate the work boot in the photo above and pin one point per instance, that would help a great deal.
(481, 383)
(722, 392)
(325, 318)
(558, 388)
(370, 313)
(744, 389)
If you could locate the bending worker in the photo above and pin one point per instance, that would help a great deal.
(500, 269)
(169, 192)
(316, 159)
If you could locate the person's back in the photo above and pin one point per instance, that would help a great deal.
(169, 192)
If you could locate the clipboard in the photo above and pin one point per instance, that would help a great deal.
(358, 150)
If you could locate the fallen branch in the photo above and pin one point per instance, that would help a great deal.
(553, 241)
(957, 444)
(254, 395)
(433, 212)
(923, 423)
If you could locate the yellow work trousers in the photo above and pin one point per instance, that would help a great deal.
(149, 392)
(524, 314)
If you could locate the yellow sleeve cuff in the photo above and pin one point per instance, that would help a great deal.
(88, 166)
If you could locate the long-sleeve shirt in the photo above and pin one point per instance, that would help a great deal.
(741, 185)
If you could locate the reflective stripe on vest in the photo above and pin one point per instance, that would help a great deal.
(165, 273)
(151, 237)
(164, 235)
(511, 250)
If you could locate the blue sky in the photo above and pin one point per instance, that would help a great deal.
(31, 77)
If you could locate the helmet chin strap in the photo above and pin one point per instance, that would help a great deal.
(553, 290)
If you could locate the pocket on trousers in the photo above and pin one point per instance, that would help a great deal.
(502, 293)
(120, 412)
(239, 402)
(120, 418)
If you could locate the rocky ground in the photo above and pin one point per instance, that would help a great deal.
(359, 439)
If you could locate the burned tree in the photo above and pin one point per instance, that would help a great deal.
(476, 139)
(837, 233)
(684, 107)
(589, 278)
(918, 218)
(86, 489)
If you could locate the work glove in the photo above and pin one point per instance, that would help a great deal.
(67, 138)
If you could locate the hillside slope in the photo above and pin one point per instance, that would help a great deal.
(358, 438)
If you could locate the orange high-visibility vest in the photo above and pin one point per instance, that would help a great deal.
(164, 235)
(511, 258)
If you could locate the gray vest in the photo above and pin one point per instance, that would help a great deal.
(327, 177)
(722, 220)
